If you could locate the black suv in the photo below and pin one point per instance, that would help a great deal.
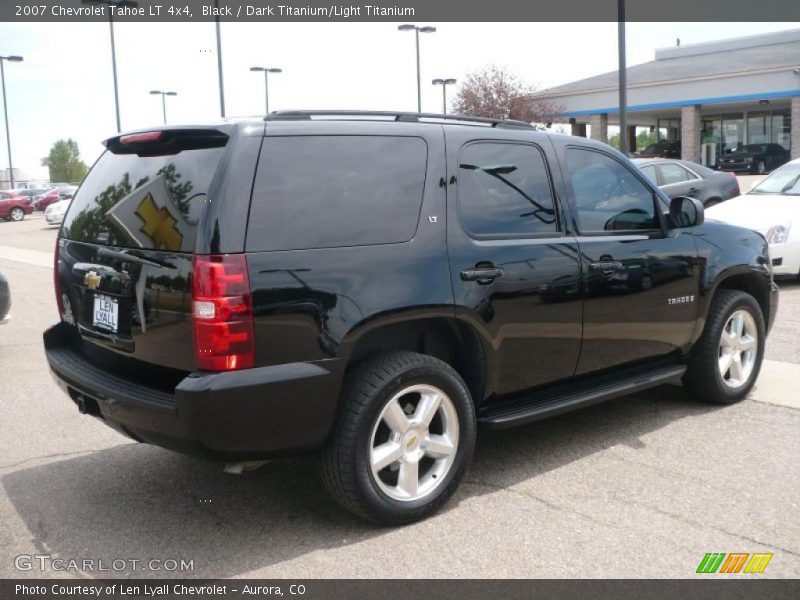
(373, 286)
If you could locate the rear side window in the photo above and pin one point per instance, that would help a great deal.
(674, 173)
(504, 190)
(650, 171)
(151, 202)
(333, 191)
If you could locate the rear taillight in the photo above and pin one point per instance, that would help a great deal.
(57, 279)
(222, 313)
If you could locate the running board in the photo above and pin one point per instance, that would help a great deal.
(569, 396)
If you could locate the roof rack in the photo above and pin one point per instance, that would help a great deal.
(412, 117)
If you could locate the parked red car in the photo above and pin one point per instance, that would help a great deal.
(14, 207)
(50, 197)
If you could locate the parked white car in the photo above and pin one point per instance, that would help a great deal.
(54, 213)
(772, 208)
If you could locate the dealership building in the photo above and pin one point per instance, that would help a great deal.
(712, 97)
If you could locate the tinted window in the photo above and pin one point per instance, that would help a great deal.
(674, 173)
(143, 202)
(504, 189)
(608, 196)
(328, 191)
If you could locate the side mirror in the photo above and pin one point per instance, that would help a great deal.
(686, 212)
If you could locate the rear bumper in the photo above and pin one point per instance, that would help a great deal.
(239, 415)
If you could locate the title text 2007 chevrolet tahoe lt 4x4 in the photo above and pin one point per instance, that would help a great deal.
(374, 286)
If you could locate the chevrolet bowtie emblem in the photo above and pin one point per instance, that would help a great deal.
(159, 225)
(92, 280)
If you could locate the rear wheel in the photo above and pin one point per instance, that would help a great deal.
(403, 440)
(727, 358)
(16, 214)
(761, 168)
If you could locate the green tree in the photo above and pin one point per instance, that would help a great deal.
(64, 162)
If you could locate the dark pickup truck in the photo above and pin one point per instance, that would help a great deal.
(374, 286)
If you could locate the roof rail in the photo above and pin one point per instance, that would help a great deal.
(413, 117)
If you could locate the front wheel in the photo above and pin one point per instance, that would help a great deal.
(727, 358)
(17, 214)
(403, 440)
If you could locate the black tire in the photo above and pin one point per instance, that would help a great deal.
(703, 380)
(16, 214)
(345, 463)
(712, 202)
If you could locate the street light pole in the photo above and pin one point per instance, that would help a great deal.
(417, 30)
(623, 80)
(219, 63)
(267, 71)
(444, 83)
(5, 112)
(163, 101)
(109, 4)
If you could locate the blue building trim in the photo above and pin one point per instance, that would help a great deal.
(679, 103)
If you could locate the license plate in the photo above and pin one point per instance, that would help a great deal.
(106, 313)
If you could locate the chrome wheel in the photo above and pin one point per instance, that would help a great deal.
(738, 349)
(414, 442)
(17, 214)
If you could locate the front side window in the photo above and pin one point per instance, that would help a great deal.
(608, 196)
(504, 190)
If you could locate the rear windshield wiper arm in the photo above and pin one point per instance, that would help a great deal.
(129, 256)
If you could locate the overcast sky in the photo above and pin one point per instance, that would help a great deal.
(64, 86)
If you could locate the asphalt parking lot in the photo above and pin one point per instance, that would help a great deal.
(642, 486)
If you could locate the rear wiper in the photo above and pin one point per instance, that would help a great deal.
(129, 256)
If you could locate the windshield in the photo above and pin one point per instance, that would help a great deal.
(756, 148)
(785, 180)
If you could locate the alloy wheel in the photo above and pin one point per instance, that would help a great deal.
(414, 442)
(738, 349)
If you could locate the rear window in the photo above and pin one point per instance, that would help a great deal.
(152, 202)
(332, 191)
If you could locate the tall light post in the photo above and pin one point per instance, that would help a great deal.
(267, 71)
(444, 83)
(623, 80)
(417, 30)
(219, 62)
(109, 4)
(163, 100)
(5, 112)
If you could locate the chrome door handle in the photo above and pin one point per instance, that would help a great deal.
(605, 265)
(482, 275)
